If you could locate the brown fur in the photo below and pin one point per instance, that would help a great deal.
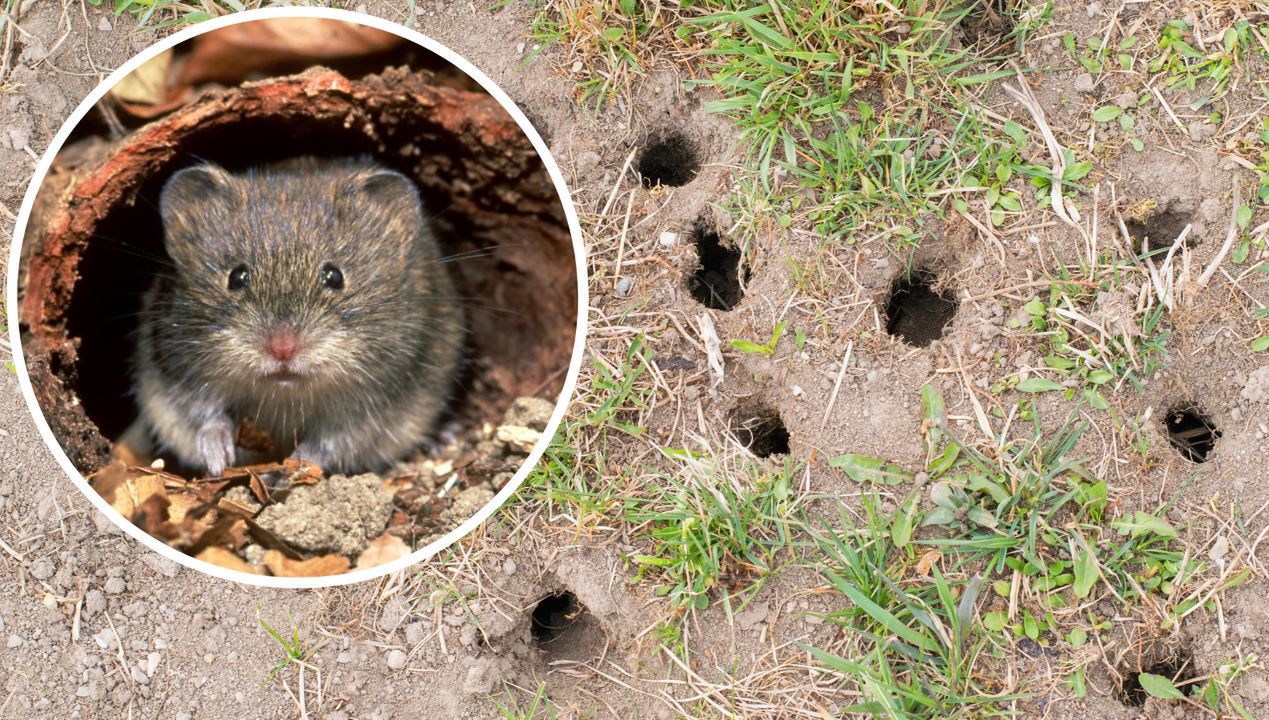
(379, 357)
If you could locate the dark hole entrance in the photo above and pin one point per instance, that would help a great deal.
(553, 616)
(1192, 433)
(761, 430)
(564, 629)
(916, 313)
(1161, 229)
(716, 283)
(988, 22)
(1177, 666)
(671, 160)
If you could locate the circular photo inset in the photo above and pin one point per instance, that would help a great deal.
(295, 296)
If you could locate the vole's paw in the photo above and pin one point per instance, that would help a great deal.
(216, 445)
(313, 452)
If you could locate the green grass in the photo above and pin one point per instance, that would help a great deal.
(715, 523)
(914, 647)
(165, 13)
(537, 707)
(1023, 522)
(296, 652)
(1129, 350)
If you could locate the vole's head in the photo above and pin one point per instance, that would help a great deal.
(296, 275)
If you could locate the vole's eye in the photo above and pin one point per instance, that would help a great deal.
(332, 277)
(238, 277)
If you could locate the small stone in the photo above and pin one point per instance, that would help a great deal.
(343, 658)
(798, 391)
(15, 640)
(577, 67)
(509, 567)
(668, 239)
(396, 660)
(530, 412)
(623, 286)
(1083, 83)
(518, 437)
(42, 569)
(115, 585)
(105, 639)
(520, 49)
(19, 138)
(1094, 9)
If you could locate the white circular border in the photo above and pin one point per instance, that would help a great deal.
(561, 404)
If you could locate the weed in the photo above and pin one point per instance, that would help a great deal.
(913, 649)
(538, 707)
(750, 347)
(294, 648)
(165, 13)
(713, 524)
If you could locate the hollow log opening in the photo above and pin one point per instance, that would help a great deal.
(95, 240)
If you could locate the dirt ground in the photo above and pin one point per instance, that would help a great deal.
(96, 626)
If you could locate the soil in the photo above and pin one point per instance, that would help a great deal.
(439, 641)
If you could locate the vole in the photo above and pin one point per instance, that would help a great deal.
(310, 297)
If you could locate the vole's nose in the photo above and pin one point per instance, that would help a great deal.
(282, 344)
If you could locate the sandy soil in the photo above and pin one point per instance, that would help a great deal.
(98, 627)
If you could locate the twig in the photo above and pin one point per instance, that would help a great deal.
(1229, 240)
(838, 384)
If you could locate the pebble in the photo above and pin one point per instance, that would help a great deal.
(577, 66)
(105, 639)
(1094, 9)
(668, 239)
(396, 660)
(115, 585)
(42, 569)
(1083, 83)
(623, 286)
(94, 602)
(509, 567)
(15, 640)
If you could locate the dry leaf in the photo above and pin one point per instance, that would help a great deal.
(383, 549)
(147, 84)
(927, 561)
(283, 566)
(224, 558)
(233, 53)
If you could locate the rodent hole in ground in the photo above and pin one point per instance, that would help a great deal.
(1191, 432)
(989, 22)
(672, 160)
(1161, 229)
(917, 313)
(761, 429)
(564, 629)
(716, 284)
(496, 279)
(1176, 665)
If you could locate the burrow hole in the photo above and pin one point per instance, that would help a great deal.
(564, 629)
(1161, 228)
(1191, 432)
(760, 429)
(917, 313)
(716, 283)
(671, 160)
(989, 22)
(1176, 665)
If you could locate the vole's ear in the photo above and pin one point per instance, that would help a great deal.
(384, 191)
(193, 201)
(194, 185)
